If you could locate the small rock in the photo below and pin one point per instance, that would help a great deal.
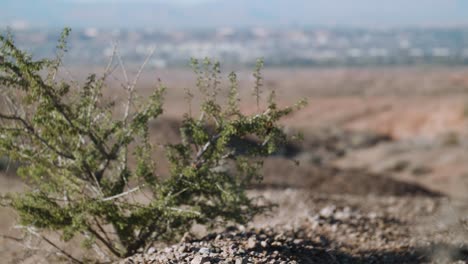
(251, 243)
(201, 260)
(334, 228)
(343, 214)
(276, 244)
(151, 250)
(372, 215)
(204, 251)
(327, 211)
(182, 249)
(187, 237)
(241, 261)
(171, 256)
(298, 241)
(163, 259)
(264, 244)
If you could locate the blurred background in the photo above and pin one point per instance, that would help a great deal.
(386, 81)
(296, 33)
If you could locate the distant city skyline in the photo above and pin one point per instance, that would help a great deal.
(228, 13)
(281, 47)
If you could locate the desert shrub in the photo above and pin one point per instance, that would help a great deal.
(74, 152)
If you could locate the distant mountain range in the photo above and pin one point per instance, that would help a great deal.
(232, 13)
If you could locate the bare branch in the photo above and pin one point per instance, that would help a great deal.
(12, 238)
(180, 210)
(131, 87)
(130, 98)
(108, 69)
(142, 67)
(122, 67)
(123, 194)
(204, 149)
(101, 228)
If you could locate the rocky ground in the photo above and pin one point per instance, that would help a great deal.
(337, 206)
(310, 228)
(332, 214)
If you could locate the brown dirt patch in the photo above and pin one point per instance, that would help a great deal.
(282, 173)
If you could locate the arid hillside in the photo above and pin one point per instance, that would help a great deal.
(382, 174)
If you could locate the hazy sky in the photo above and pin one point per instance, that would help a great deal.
(150, 1)
(236, 13)
(189, 2)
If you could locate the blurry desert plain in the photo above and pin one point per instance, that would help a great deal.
(370, 124)
(385, 139)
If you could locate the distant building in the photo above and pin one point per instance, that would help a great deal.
(440, 52)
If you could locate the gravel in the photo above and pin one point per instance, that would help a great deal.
(237, 246)
(317, 228)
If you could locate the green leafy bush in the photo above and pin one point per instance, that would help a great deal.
(74, 153)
